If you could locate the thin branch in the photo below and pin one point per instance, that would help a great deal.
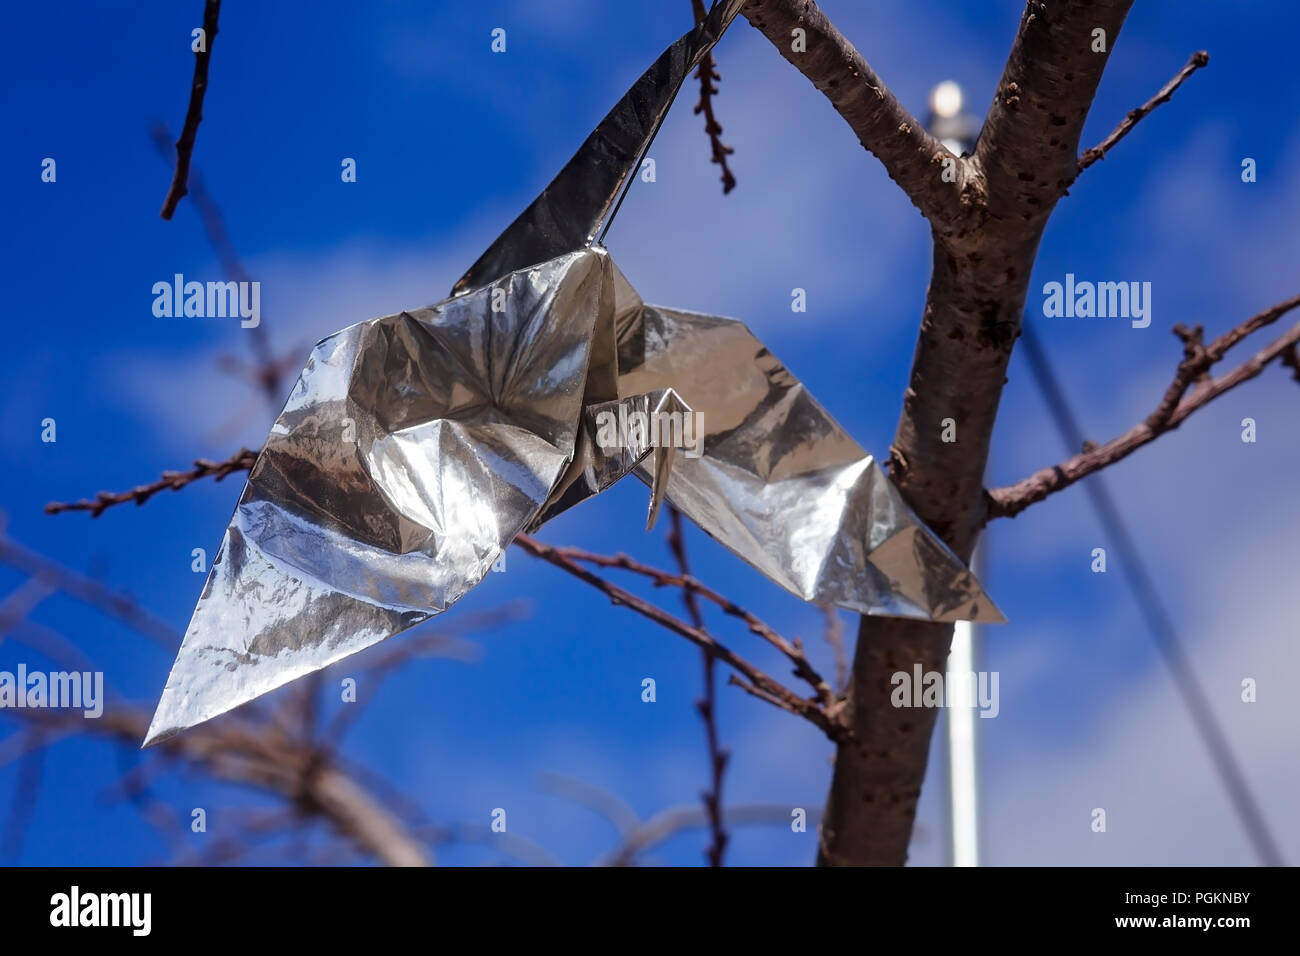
(1193, 368)
(825, 712)
(668, 823)
(792, 649)
(1291, 360)
(443, 642)
(88, 590)
(827, 718)
(608, 805)
(1198, 59)
(214, 226)
(22, 742)
(911, 156)
(778, 702)
(708, 705)
(239, 751)
(520, 847)
(23, 806)
(268, 372)
(316, 784)
(1159, 622)
(22, 601)
(707, 74)
(194, 114)
(135, 786)
(242, 460)
(1174, 408)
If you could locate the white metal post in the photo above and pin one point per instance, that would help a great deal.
(962, 777)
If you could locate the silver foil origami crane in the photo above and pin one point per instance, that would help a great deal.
(416, 446)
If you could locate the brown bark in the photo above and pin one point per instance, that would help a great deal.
(912, 157)
(1010, 501)
(986, 228)
(255, 757)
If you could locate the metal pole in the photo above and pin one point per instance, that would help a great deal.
(962, 761)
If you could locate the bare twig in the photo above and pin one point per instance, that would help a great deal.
(668, 823)
(239, 748)
(267, 372)
(827, 718)
(242, 460)
(239, 751)
(707, 74)
(511, 844)
(792, 649)
(444, 643)
(87, 590)
(1291, 360)
(1198, 59)
(194, 114)
(22, 601)
(1173, 410)
(317, 784)
(911, 156)
(824, 711)
(708, 705)
(24, 801)
(22, 742)
(614, 809)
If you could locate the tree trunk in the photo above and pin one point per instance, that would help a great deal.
(986, 218)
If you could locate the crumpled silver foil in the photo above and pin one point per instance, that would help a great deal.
(416, 446)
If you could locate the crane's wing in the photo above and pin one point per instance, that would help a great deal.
(776, 479)
(782, 485)
(579, 202)
(412, 450)
(416, 446)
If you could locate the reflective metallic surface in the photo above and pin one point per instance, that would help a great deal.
(412, 450)
(414, 447)
(785, 487)
(580, 201)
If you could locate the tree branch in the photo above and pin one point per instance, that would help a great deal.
(707, 73)
(240, 752)
(1025, 156)
(597, 799)
(444, 643)
(911, 156)
(826, 718)
(792, 649)
(1029, 145)
(1173, 410)
(708, 704)
(1291, 360)
(1198, 59)
(668, 823)
(268, 371)
(241, 460)
(88, 590)
(194, 114)
(823, 710)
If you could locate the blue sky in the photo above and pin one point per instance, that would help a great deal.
(451, 141)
